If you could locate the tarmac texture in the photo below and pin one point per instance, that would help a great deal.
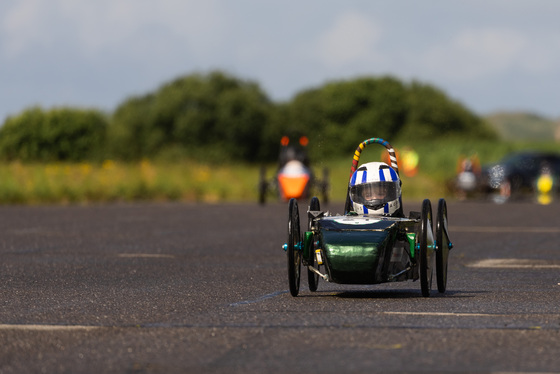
(192, 288)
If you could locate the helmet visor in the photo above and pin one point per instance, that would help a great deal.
(375, 194)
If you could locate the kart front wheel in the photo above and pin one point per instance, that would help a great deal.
(294, 248)
(426, 248)
(312, 277)
(443, 246)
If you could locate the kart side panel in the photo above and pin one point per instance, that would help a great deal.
(355, 257)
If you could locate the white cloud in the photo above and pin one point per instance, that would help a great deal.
(351, 39)
(104, 50)
(22, 26)
(91, 26)
(476, 53)
(542, 56)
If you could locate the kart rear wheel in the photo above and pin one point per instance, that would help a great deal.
(442, 243)
(325, 186)
(294, 248)
(426, 249)
(262, 185)
(312, 277)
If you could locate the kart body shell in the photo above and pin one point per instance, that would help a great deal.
(294, 177)
(365, 248)
(293, 180)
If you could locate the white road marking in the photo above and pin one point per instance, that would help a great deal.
(445, 314)
(47, 327)
(145, 255)
(514, 263)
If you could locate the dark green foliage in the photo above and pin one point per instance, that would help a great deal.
(218, 117)
(58, 134)
(339, 115)
(212, 116)
(129, 135)
(433, 115)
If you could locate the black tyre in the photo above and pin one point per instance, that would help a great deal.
(262, 185)
(312, 277)
(442, 243)
(325, 186)
(426, 248)
(294, 248)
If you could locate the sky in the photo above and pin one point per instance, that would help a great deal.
(490, 55)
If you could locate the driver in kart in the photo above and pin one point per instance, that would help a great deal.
(375, 189)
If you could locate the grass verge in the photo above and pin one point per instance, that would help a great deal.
(186, 180)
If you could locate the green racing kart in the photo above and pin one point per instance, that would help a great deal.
(368, 249)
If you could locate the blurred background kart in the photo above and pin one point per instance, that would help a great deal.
(467, 181)
(294, 177)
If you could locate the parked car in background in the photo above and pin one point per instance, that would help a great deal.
(518, 174)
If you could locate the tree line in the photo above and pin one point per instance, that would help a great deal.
(217, 116)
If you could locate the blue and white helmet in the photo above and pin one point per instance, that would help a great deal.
(375, 188)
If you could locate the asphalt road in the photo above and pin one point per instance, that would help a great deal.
(165, 288)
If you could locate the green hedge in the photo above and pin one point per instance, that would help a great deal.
(218, 117)
(197, 116)
(61, 134)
